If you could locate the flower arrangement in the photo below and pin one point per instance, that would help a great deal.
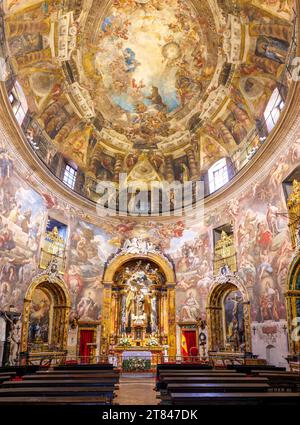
(125, 342)
(136, 364)
(152, 342)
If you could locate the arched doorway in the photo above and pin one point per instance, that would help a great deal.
(228, 316)
(45, 316)
(293, 306)
(139, 301)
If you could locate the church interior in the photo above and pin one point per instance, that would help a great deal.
(149, 202)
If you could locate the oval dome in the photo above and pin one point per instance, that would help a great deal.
(179, 88)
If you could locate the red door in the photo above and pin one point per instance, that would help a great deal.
(85, 350)
(189, 338)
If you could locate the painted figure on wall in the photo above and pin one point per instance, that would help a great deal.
(190, 310)
(39, 326)
(272, 48)
(234, 319)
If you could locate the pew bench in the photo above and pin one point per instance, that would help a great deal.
(107, 392)
(58, 383)
(165, 395)
(94, 377)
(55, 401)
(245, 399)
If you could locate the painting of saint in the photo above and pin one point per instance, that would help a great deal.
(39, 321)
(272, 48)
(190, 310)
(55, 237)
(234, 320)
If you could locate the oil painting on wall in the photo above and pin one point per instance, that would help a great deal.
(39, 319)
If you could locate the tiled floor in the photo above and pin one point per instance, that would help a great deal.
(136, 390)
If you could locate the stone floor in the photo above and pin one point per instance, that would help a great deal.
(136, 389)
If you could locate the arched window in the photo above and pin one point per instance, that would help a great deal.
(218, 175)
(273, 110)
(18, 103)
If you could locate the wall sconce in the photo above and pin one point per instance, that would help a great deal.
(254, 330)
(284, 329)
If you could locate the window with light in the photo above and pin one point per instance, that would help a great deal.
(218, 175)
(70, 175)
(273, 110)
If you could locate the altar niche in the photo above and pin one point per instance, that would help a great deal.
(139, 305)
(45, 317)
(228, 317)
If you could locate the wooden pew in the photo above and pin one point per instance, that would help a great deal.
(215, 379)
(7, 374)
(210, 380)
(165, 396)
(180, 366)
(58, 383)
(282, 381)
(61, 400)
(197, 373)
(218, 387)
(19, 370)
(189, 374)
(98, 366)
(78, 372)
(255, 399)
(249, 368)
(107, 392)
(4, 378)
(100, 377)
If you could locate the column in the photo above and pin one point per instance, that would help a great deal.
(192, 163)
(118, 167)
(94, 161)
(169, 169)
(106, 317)
(65, 131)
(33, 57)
(226, 136)
(17, 28)
(114, 314)
(283, 32)
(171, 320)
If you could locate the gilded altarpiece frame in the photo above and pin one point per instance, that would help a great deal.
(61, 311)
(109, 306)
(215, 312)
(293, 206)
(293, 306)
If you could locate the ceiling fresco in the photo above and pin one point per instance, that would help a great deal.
(176, 84)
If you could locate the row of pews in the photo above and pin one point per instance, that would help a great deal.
(241, 385)
(63, 385)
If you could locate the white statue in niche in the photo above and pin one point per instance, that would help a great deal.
(140, 317)
(14, 338)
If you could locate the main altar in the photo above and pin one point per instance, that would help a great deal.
(139, 303)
